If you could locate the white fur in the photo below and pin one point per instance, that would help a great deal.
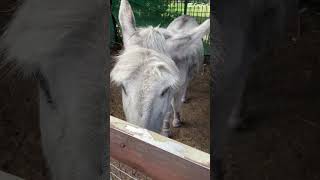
(63, 40)
(147, 61)
(185, 46)
(146, 72)
(182, 43)
(42, 28)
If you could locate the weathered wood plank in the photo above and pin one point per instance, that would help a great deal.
(6, 176)
(157, 156)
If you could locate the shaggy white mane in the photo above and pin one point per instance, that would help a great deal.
(153, 39)
(137, 60)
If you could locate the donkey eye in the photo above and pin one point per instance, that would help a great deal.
(124, 89)
(164, 92)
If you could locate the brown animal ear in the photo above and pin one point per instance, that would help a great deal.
(127, 20)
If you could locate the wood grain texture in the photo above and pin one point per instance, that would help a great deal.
(157, 156)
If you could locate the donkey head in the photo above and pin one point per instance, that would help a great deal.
(145, 71)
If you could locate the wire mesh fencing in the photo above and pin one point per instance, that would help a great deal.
(161, 12)
(121, 171)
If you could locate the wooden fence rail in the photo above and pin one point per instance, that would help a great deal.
(158, 157)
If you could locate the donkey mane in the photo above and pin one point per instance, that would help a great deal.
(136, 60)
(153, 39)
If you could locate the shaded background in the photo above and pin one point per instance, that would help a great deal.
(283, 99)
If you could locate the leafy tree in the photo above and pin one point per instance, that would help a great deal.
(148, 12)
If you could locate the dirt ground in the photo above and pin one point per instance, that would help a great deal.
(283, 141)
(283, 103)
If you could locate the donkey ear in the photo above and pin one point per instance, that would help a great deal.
(127, 20)
(167, 34)
(187, 39)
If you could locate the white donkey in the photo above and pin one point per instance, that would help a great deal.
(190, 60)
(148, 76)
(188, 55)
(148, 91)
(62, 43)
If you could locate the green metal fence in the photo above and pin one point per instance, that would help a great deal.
(161, 12)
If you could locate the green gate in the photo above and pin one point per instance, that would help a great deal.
(160, 12)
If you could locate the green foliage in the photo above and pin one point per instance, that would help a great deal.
(148, 12)
(161, 12)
